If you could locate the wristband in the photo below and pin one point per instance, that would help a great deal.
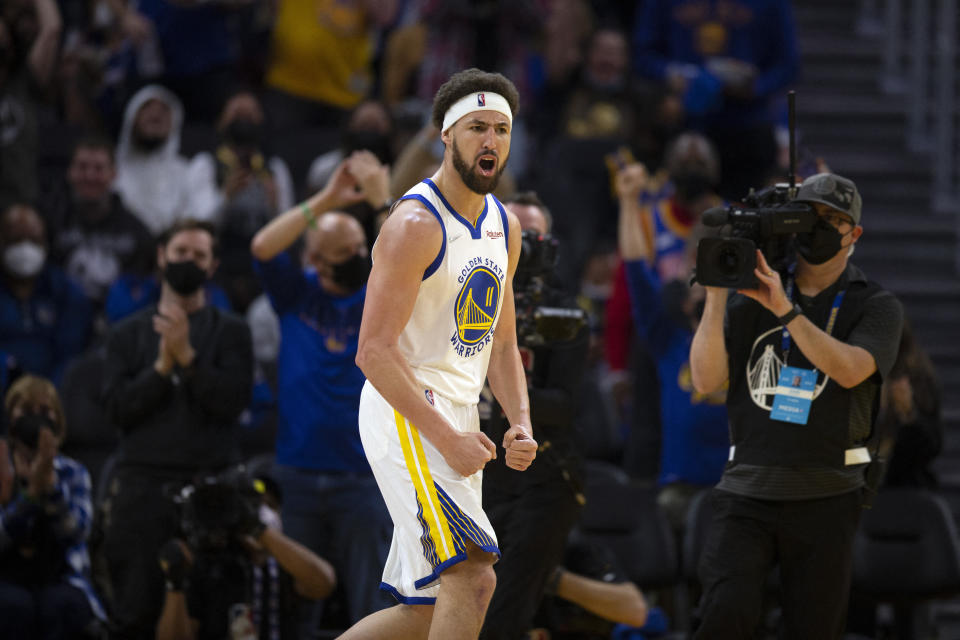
(786, 318)
(308, 215)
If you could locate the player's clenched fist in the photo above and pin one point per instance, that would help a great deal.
(521, 447)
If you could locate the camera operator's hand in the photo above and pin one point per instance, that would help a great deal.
(249, 522)
(175, 561)
(467, 453)
(521, 447)
(769, 291)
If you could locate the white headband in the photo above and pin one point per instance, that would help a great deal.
(480, 101)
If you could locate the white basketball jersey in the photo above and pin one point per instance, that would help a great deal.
(447, 339)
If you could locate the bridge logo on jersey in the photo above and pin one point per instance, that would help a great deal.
(475, 310)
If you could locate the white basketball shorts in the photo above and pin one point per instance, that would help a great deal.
(435, 510)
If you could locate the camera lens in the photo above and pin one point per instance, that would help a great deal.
(728, 261)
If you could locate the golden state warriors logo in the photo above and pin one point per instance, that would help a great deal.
(476, 309)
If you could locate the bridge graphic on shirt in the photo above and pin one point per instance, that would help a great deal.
(470, 317)
(762, 377)
(764, 373)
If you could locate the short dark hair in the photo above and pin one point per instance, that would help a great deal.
(190, 224)
(465, 82)
(94, 140)
(531, 199)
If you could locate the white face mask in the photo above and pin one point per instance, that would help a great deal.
(24, 259)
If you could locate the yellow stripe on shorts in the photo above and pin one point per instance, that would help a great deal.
(416, 461)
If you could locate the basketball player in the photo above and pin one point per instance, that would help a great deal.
(438, 319)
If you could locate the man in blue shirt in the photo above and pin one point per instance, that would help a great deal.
(331, 501)
(44, 317)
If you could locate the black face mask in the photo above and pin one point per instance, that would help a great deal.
(184, 277)
(148, 144)
(246, 134)
(690, 185)
(352, 273)
(376, 143)
(821, 244)
(26, 428)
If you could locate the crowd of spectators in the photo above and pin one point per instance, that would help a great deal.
(155, 265)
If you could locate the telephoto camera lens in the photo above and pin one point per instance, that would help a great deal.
(726, 262)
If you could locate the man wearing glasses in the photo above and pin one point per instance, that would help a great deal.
(805, 354)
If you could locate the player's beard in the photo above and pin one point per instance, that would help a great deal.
(470, 175)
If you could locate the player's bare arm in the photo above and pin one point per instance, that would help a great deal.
(409, 241)
(505, 373)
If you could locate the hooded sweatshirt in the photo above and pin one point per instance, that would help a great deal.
(156, 185)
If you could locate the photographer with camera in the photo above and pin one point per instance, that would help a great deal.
(805, 351)
(532, 511)
(45, 589)
(234, 574)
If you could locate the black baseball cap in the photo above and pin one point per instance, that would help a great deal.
(834, 191)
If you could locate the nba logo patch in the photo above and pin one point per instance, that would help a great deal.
(481, 100)
(429, 394)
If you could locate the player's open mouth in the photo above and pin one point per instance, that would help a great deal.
(487, 164)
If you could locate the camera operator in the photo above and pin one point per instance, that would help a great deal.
(45, 588)
(533, 511)
(235, 574)
(805, 353)
(177, 376)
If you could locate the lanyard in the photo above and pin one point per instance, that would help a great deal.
(785, 337)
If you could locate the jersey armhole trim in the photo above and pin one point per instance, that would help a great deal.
(504, 223)
(443, 245)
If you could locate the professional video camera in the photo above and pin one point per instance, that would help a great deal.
(216, 514)
(216, 511)
(768, 220)
(537, 323)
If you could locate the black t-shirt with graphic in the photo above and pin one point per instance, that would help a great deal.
(776, 460)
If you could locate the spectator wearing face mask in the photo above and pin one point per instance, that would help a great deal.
(95, 238)
(152, 177)
(243, 188)
(45, 589)
(369, 128)
(331, 502)
(44, 317)
(177, 376)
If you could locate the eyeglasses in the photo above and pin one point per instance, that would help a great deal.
(836, 220)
